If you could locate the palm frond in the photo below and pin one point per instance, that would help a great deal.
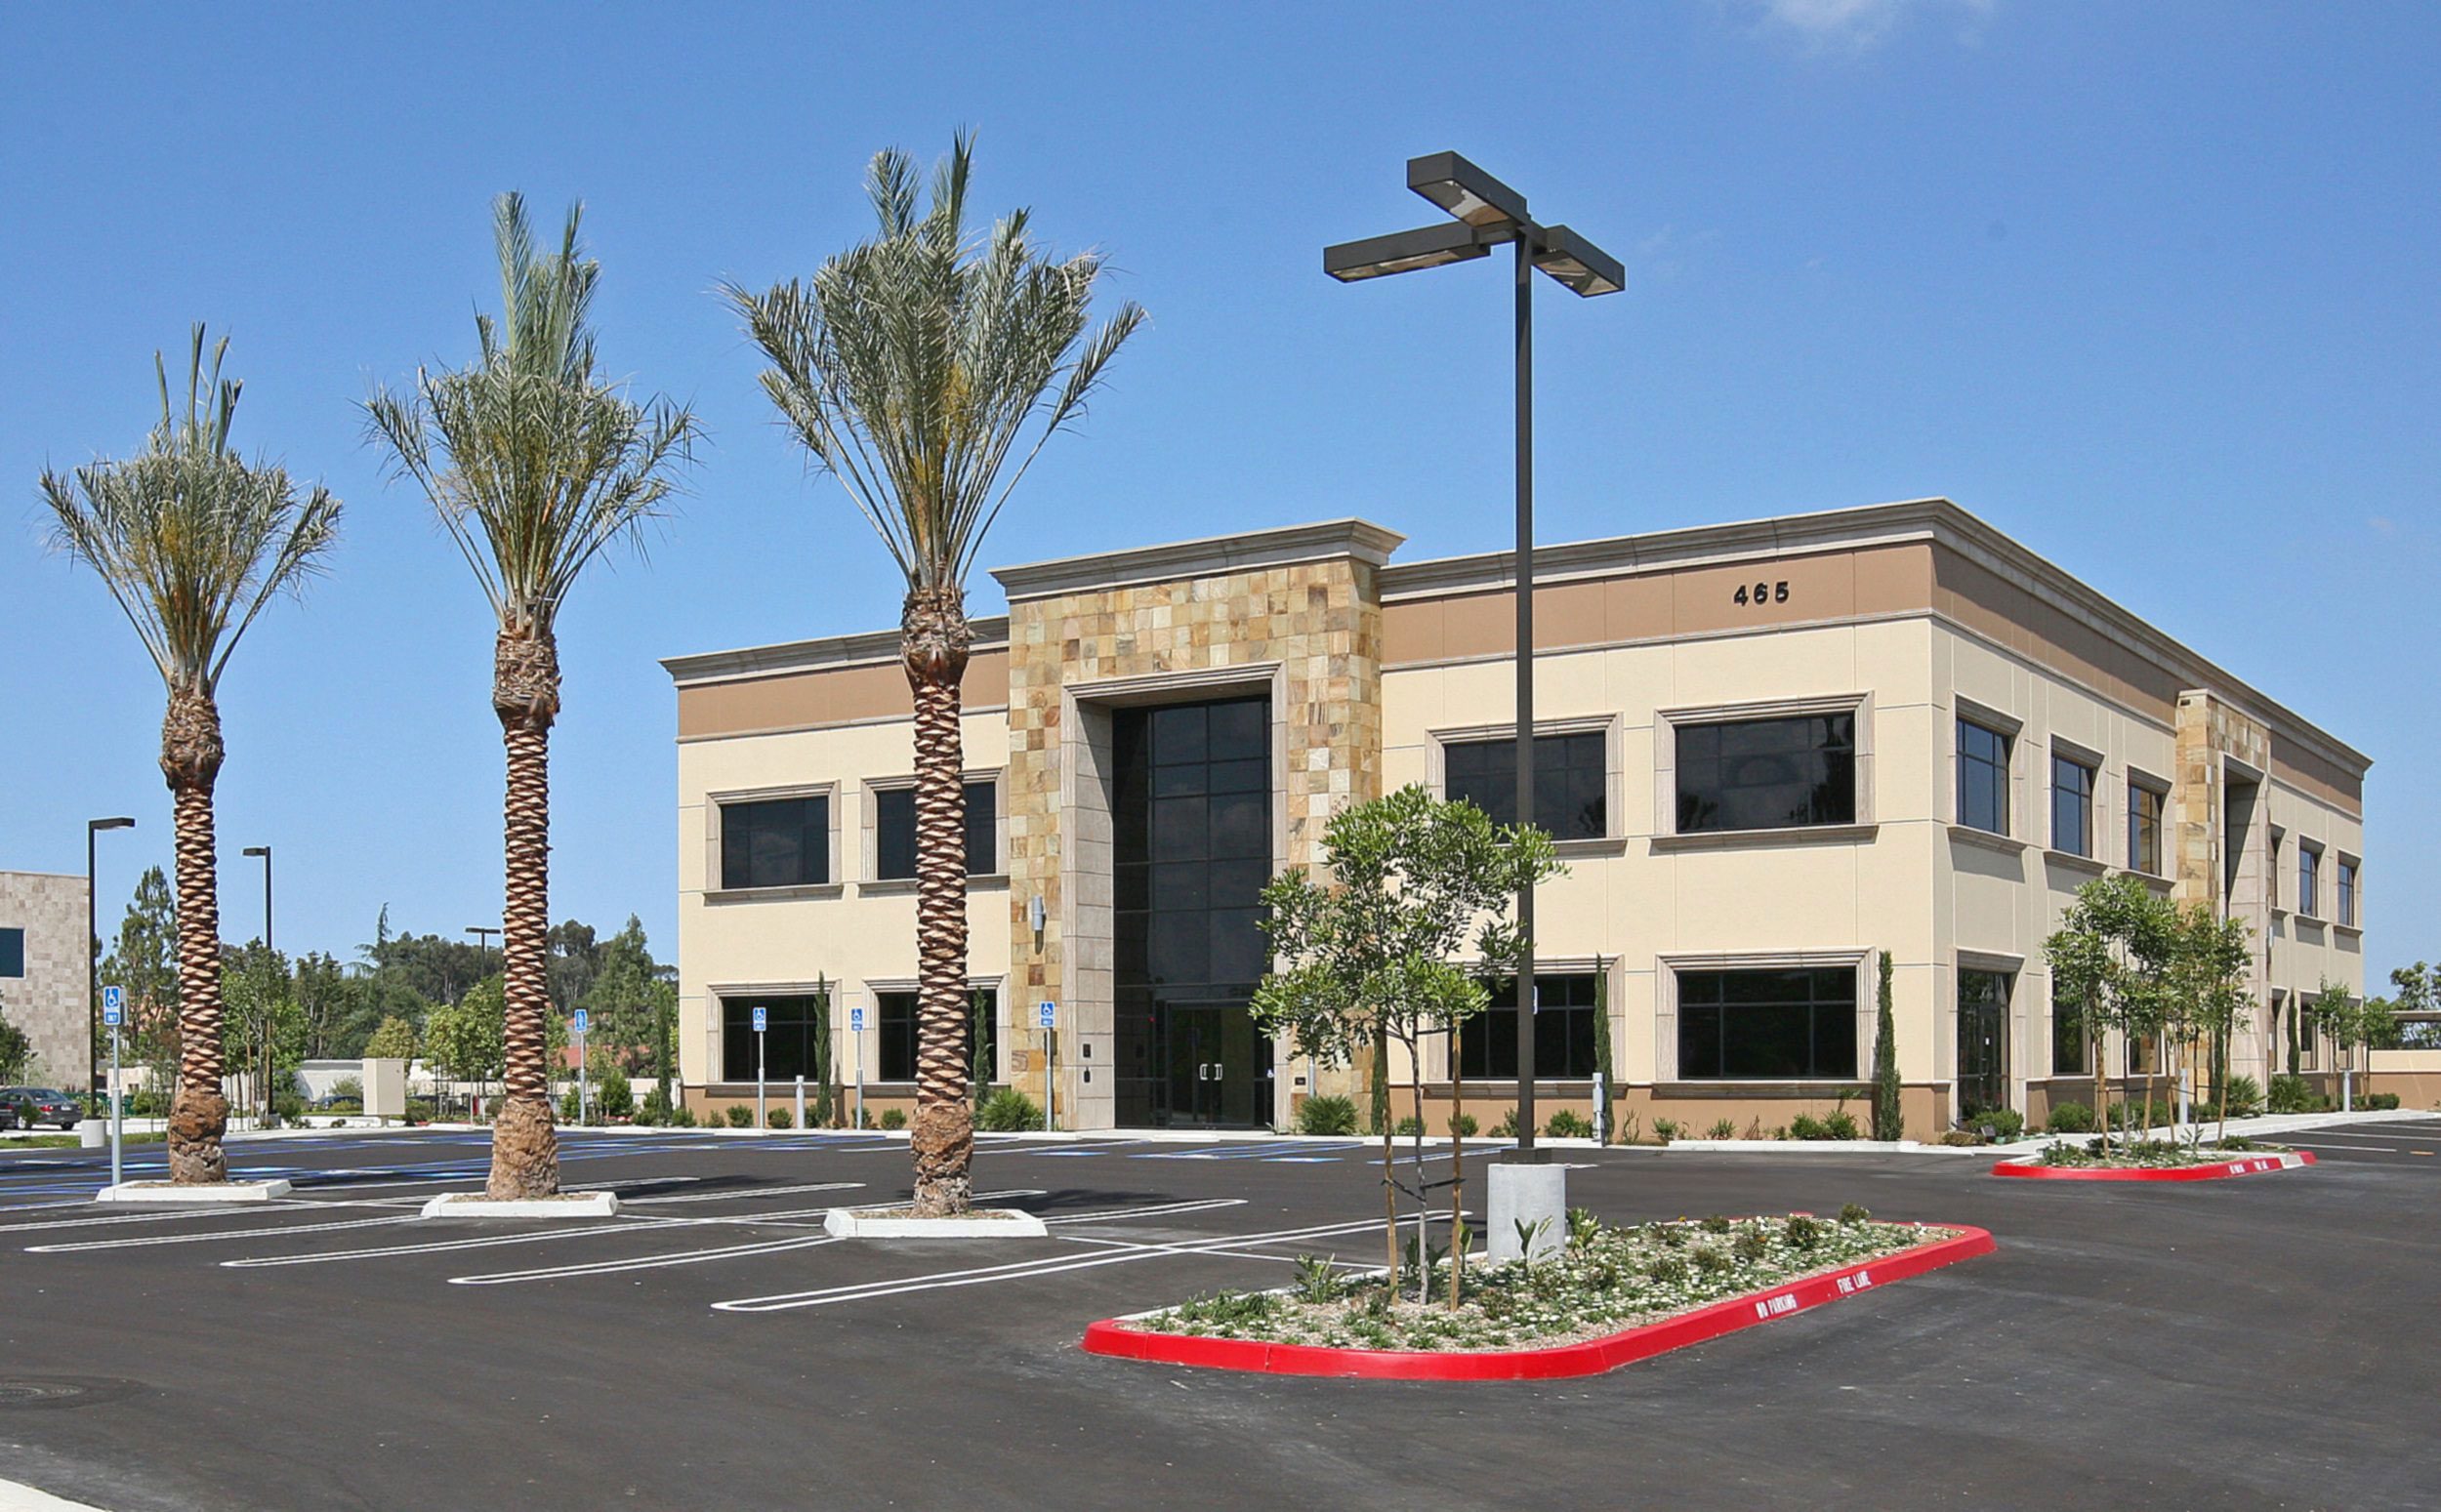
(534, 463)
(190, 537)
(914, 365)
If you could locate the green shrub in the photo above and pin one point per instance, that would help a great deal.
(656, 1108)
(1506, 1128)
(1009, 1111)
(1807, 1127)
(2245, 1098)
(616, 1098)
(1327, 1115)
(1665, 1129)
(2290, 1094)
(1801, 1232)
(1667, 1269)
(2004, 1122)
(739, 1116)
(1725, 1129)
(347, 1087)
(1855, 1212)
(1751, 1246)
(1568, 1123)
(569, 1111)
(2381, 1102)
(2137, 1116)
(1409, 1127)
(1715, 1224)
(779, 1118)
(893, 1118)
(683, 1117)
(2070, 1117)
(1842, 1124)
(1464, 1125)
(1711, 1257)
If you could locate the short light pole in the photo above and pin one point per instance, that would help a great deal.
(1486, 213)
(263, 1066)
(93, 959)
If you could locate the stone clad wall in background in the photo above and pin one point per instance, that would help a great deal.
(48, 1003)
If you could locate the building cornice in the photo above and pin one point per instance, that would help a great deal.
(832, 653)
(1210, 556)
(1933, 520)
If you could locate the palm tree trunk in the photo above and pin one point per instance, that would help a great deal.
(525, 695)
(191, 760)
(935, 638)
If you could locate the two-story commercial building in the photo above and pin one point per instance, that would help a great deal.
(1771, 752)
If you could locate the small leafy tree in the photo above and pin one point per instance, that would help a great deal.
(1371, 956)
(2352, 1024)
(1888, 1119)
(2207, 987)
(2110, 957)
(17, 1051)
(394, 1039)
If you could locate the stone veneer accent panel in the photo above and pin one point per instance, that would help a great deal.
(48, 1003)
(1310, 632)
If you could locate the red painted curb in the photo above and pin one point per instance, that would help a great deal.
(2218, 1170)
(1114, 1337)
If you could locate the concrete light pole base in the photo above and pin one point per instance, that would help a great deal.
(1535, 1197)
(566, 1204)
(166, 1194)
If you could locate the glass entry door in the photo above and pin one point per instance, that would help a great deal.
(1982, 1041)
(1216, 1066)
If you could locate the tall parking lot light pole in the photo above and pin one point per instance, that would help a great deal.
(93, 960)
(262, 1067)
(1487, 213)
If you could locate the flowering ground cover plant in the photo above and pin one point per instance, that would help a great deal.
(2154, 1154)
(1603, 1281)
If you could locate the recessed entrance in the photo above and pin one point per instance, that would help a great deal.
(1190, 852)
(1982, 1040)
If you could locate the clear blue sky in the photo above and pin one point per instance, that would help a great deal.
(2151, 287)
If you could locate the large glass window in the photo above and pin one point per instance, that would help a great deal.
(2347, 893)
(1982, 778)
(1767, 774)
(1569, 783)
(894, 831)
(2309, 882)
(2072, 805)
(777, 842)
(895, 1017)
(2145, 828)
(2069, 1040)
(1563, 1032)
(12, 952)
(1767, 1024)
(796, 1038)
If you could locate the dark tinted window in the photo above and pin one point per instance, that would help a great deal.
(776, 842)
(894, 831)
(2347, 893)
(1568, 781)
(1767, 774)
(1982, 778)
(12, 952)
(796, 1038)
(2072, 806)
(1767, 1024)
(2309, 881)
(2069, 1044)
(894, 1017)
(2144, 829)
(1563, 1032)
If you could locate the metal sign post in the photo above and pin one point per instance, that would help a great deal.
(1047, 1018)
(114, 1013)
(800, 1100)
(855, 1038)
(762, 1021)
(584, 1022)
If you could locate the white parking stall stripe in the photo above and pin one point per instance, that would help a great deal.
(742, 1196)
(658, 1262)
(280, 1231)
(164, 1215)
(1117, 1214)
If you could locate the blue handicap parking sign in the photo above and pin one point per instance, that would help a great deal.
(855, 1021)
(761, 1018)
(114, 1005)
(1046, 1014)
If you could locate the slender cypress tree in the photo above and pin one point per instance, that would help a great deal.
(1888, 1123)
(1609, 1095)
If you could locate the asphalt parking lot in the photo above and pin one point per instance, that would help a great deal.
(2264, 1342)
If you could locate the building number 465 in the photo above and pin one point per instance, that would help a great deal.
(1762, 593)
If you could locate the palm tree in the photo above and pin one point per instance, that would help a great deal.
(910, 368)
(535, 464)
(192, 540)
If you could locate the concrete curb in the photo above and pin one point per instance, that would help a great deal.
(1007, 1223)
(14, 1497)
(1113, 1337)
(475, 1204)
(2218, 1170)
(164, 1194)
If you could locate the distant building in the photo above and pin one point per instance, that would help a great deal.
(43, 974)
(1771, 752)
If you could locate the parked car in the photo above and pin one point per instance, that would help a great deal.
(30, 1107)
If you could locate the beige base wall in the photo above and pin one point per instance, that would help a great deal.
(1924, 1110)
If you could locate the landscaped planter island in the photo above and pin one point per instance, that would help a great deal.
(2152, 1161)
(1610, 1297)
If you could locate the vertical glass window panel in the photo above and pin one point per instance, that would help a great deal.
(1570, 781)
(1238, 826)
(893, 834)
(1236, 731)
(1767, 1024)
(2309, 881)
(1179, 735)
(2069, 1044)
(895, 1017)
(1767, 774)
(776, 842)
(983, 828)
(12, 951)
(1982, 778)
(2347, 893)
(2072, 806)
(1563, 1033)
(795, 1039)
(2145, 828)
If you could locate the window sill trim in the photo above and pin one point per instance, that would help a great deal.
(2315, 920)
(1788, 835)
(905, 887)
(1607, 845)
(2007, 845)
(2069, 860)
(2352, 931)
(772, 895)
